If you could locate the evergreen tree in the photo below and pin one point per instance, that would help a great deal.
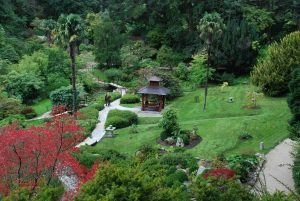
(294, 104)
(235, 50)
(108, 42)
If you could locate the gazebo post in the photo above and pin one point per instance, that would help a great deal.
(143, 102)
(161, 102)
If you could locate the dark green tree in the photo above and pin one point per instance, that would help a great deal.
(108, 41)
(294, 104)
(237, 49)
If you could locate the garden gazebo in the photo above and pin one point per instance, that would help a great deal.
(153, 95)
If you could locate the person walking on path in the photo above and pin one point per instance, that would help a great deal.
(106, 100)
(109, 100)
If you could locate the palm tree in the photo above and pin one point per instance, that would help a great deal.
(47, 25)
(68, 33)
(210, 27)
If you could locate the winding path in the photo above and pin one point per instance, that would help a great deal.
(99, 132)
(277, 171)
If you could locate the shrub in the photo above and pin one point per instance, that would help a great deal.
(296, 170)
(273, 72)
(197, 74)
(182, 159)
(121, 119)
(242, 165)
(167, 57)
(88, 113)
(219, 189)
(114, 74)
(29, 112)
(148, 63)
(115, 96)
(177, 177)
(130, 98)
(117, 122)
(26, 86)
(88, 156)
(9, 106)
(224, 173)
(88, 125)
(10, 119)
(98, 106)
(294, 104)
(182, 71)
(64, 95)
(227, 77)
(169, 123)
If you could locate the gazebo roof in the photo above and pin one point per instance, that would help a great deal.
(154, 90)
(155, 79)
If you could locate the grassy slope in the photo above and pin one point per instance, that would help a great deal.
(42, 106)
(219, 126)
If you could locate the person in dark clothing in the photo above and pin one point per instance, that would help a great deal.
(106, 100)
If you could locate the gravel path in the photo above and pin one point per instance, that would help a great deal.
(278, 168)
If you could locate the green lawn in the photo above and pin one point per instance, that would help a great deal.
(42, 106)
(220, 126)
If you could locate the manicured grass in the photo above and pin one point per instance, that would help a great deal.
(219, 126)
(42, 106)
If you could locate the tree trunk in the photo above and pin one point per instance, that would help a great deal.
(190, 17)
(73, 70)
(209, 41)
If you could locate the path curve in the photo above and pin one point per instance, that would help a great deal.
(277, 170)
(99, 132)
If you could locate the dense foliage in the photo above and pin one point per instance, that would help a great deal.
(273, 72)
(296, 170)
(294, 104)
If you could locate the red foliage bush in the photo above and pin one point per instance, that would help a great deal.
(220, 173)
(29, 155)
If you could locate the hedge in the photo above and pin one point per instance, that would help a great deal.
(130, 98)
(296, 170)
(121, 119)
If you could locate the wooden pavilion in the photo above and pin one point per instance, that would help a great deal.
(153, 95)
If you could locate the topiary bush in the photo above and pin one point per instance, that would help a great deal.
(121, 119)
(130, 99)
(117, 122)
